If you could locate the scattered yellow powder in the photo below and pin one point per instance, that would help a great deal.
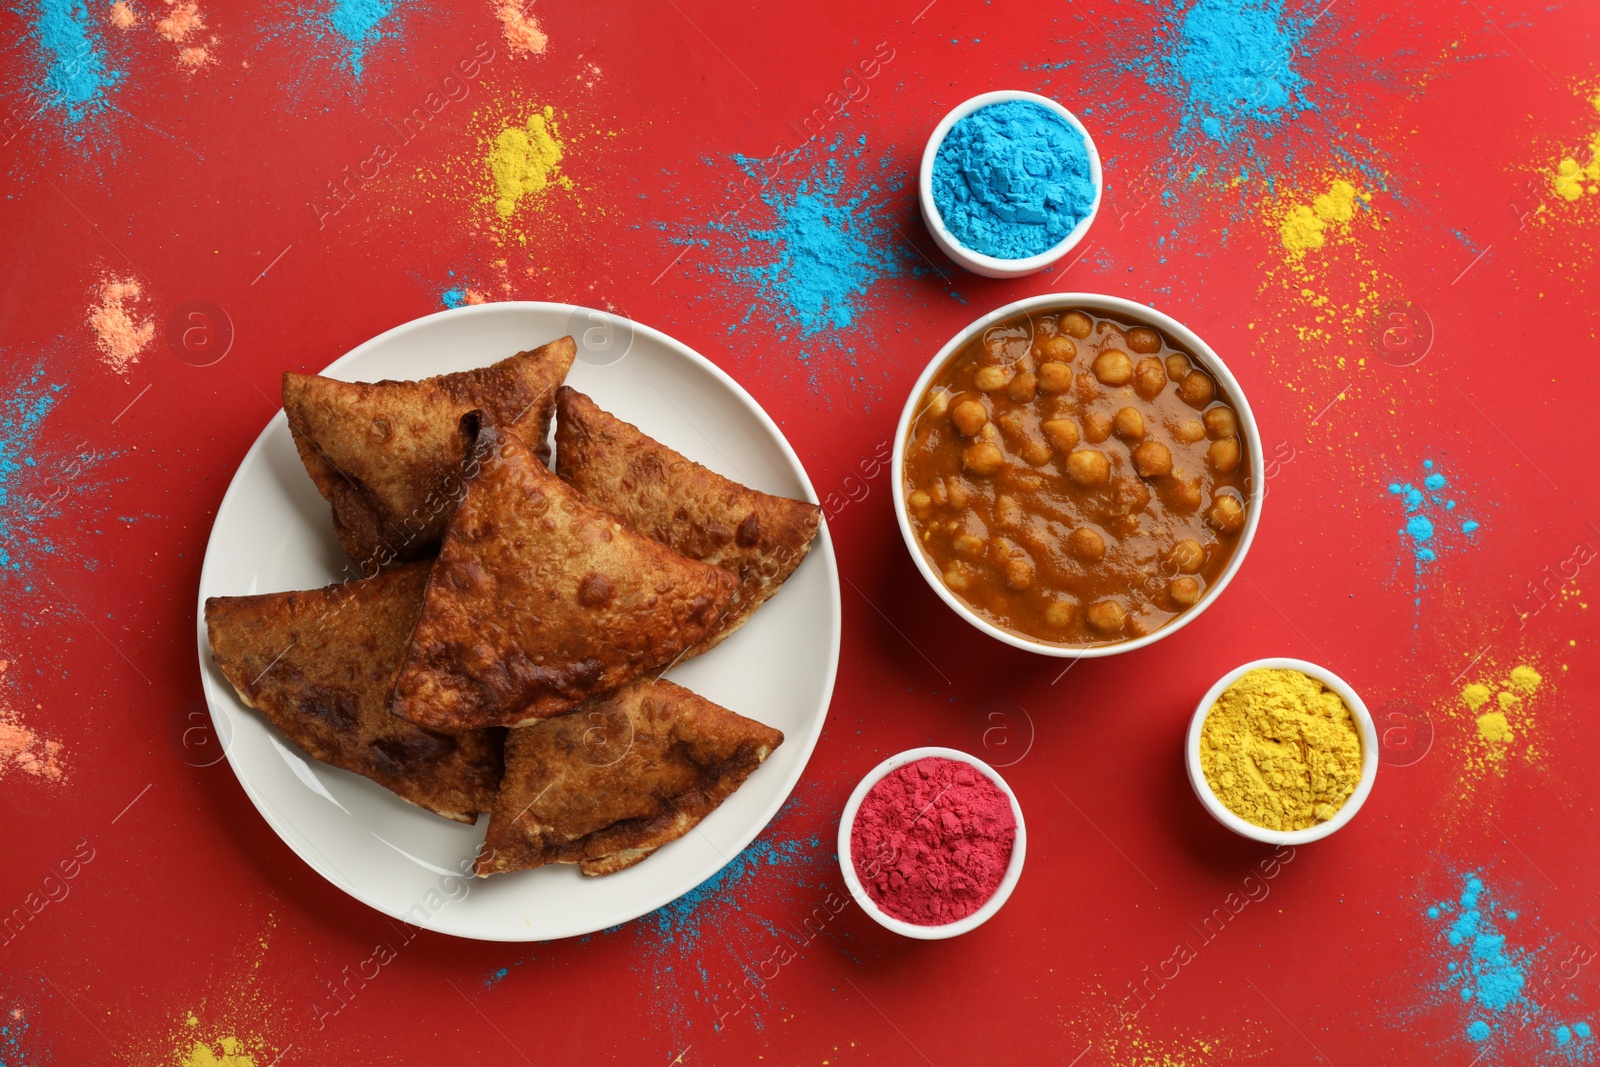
(120, 336)
(229, 1052)
(122, 16)
(1281, 750)
(524, 161)
(1572, 179)
(1496, 729)
(521, 30)
(1525, 678)
(1305, 226)
(1476, 695)
(183, 18)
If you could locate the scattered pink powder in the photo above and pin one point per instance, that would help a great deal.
(21, 748)
(932, 840)
(476, 296)
(121, 338)
(194, 58)
(183, 18)
(122, 16)
(522, 33)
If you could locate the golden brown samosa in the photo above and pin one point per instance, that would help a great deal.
(694, 511)
(608, 784)
(387, 455)
(319, 665)
(540, 600)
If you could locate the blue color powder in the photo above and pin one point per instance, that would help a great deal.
(1428, 515)
(77, 77)
(1012, 180)
(21, 414)
(357, 22)
(1231, 65)
(1478, 1030)
(453, 298)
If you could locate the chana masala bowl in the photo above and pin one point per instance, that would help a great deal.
(1077, 475)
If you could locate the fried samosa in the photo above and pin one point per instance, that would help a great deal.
(694, 511)
(540, 600)
(319, 665)
(387, 455)
(608, 784)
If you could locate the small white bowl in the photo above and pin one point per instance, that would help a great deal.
(847, 865)
(1369, 756)
(950, 244)
(1182, 337)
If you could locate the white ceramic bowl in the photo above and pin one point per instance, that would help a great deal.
(1369, 756)
(847, 865)
(977, 262)
(1181, 337)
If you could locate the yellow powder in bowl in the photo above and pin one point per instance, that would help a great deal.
(1281, 750)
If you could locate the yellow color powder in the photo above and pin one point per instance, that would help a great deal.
(229, 1052)
(1476, 695)
(1572, 179)
(1305, 227)
(1494, 727)
(1525, 678)
(524, 161)
(1281, 750)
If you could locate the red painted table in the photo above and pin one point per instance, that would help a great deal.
(282, 182)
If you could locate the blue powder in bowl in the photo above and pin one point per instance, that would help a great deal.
(1011, 180)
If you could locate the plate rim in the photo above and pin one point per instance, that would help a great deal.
(822, 547)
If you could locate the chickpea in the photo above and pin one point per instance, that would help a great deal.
(1106, 616)
(957, 577)
(1184, 494)
(1152, 460)
(1188, 556)
(991, 379)
(1184, 591)
(1113, 367)
(921, 504)
(1022, 387)
(1013, 425)
(989, 433)
(1190, 431)
(968, 545)
(1177, 367)
(937, 491)
(1060, 613)
(969, 417)
(1096, 427)
(1226, 514)
(1088, 467)
(1019, 574)
(1144, 340)
(1087, 545)
(982, 458)
(1035, 452)
(1027, 481)
(1129, 424)
(1197, 389)
(1008, 513)
(1221, 422)
(1063, 433)
(1057, 347)
(1054, 377)
(1223, 455)
(938, 402)
(1077, 324)
(1149, 377)
(960, 494)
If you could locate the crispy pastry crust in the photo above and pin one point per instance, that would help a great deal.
(386, 455)
(694, 511)
(319, 664)
(608, 784)
(540, 600)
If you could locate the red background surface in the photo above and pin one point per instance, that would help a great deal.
(192, 908)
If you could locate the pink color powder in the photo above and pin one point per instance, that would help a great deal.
(932, 840)
(520, 29)
(21, 748)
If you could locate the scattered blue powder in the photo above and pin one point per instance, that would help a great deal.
(1231, 64)
(23, 485)
(76, 76)
(357, 22)
(453, 298)
(1430, 521)
(1012, 180)
(1478, 1030)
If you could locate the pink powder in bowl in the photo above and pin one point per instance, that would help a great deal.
(932, 840)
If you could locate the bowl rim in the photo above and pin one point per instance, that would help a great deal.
(1185, 338)
(1244, 828)
(949, 243)
(858, 892)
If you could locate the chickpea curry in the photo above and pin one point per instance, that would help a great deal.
(1076, 479)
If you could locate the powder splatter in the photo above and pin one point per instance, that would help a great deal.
(122, 15)
(120, 335)
(1306, 226)
(1432, 524)
(1500, 985)
(357, 22)
(19, 1044)
(232, 1032)
(1573, 178)
(1501, 709)
(77, 78)
(182, 19)
(194, 57)
(22, 749)
(520, 29)
(24, 495)
(456, 297)
(525, 161)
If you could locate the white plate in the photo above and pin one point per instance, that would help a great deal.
(273, 532)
